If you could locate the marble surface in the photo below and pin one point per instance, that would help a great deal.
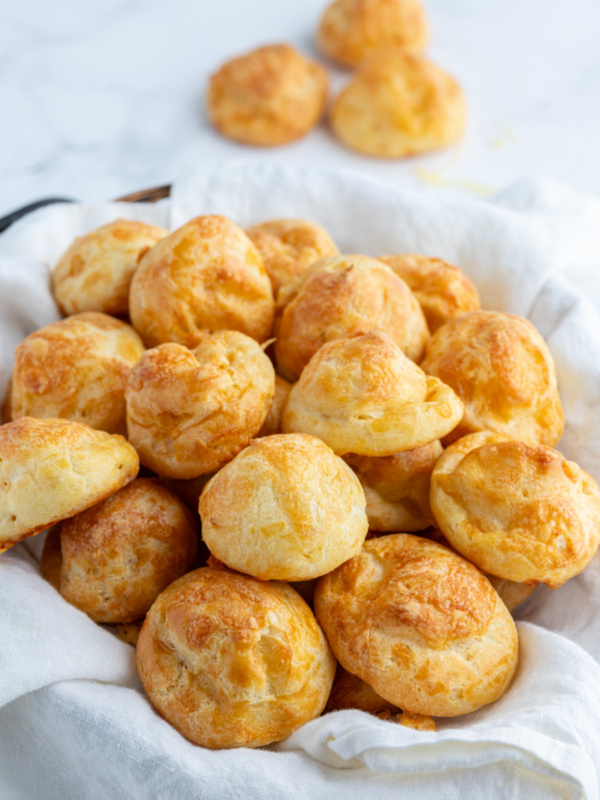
(105, 97)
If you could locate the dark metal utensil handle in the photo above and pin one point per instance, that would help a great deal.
(7, 221)
(144, 196)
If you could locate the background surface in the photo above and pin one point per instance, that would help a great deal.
(105, 97)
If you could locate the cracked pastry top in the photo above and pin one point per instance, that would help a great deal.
(207, 275)
(502, 370)
(362, 395)
(516, 510)
(286, 508)
(189, 412)
(231, 661)
(419, 624)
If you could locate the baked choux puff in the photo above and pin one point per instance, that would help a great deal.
(502, 370)
(289, 246)
(340, 295)
(51, 469)
(286, 508)
(397, 487)
(270, 96)
(189, 412)
(114, 559)
(352, 30)
(207, 275)
(360, 394)
(230, 661)
(76, 369)
(420, 625)
(518, 511)
(443, 290)
(397, 105)
(94, 274)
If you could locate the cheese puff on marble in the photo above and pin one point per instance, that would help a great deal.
(352, 30)
(270, 96)
(398, 105)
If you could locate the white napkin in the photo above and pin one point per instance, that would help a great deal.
(74, 723)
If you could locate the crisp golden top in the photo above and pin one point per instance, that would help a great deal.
(352, 30)
(269, 96)
(95, 272)
(289, 246)
(76, 369)
(398, 105)
(51, 469)
(286, 508)
(516, 510)
(502, 370)
(116, 557)
(191, 411)
(340, 295)
(420, 624)
(207, 275)
(443, 290)
(360, 394)
(231, 661)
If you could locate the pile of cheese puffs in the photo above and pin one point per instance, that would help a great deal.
(310, 481)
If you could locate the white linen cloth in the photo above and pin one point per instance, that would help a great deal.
(74, 722)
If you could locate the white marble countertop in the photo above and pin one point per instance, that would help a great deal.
(105, 97)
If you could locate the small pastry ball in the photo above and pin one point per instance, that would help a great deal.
(207, 275)
(230, 661)
(340, 295)
(502, 370)
(269, 96)
(518, 511)
(116, 557)
(397, 487)
(286, 508)
(420, 625)
(360, 394)
(443, 291)
(189, 412)
(51, 469)
(272, 423)
(76, 369)
(398, 105)
(289, 246)
(352, 30)
(95, 272)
